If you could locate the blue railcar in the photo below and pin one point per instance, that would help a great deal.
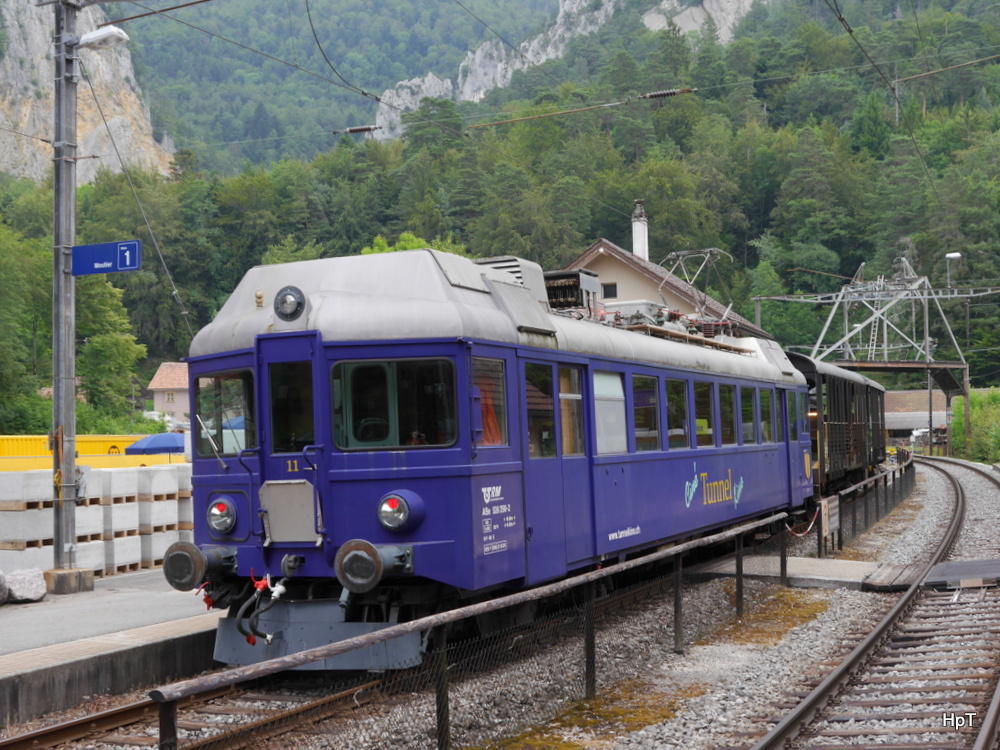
(381, 437)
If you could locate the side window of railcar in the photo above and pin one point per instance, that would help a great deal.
(224, 414)
(645, 412)
(394, 404)
(727, 413)
(571, 410)
(540, 397)
(793, 415)
(609, 407)
(677, 414)
(779, 430)
(748, 413)
(704, 412)
(766, 418)
(488, 376)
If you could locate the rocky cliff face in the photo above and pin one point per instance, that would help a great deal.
(26, 100)
(492, 65)
(724, 13)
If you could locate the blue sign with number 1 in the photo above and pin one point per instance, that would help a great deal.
(107, 257)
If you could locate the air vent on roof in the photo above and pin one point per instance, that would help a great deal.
(527, 273)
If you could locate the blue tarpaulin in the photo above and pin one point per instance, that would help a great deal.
(164, 442)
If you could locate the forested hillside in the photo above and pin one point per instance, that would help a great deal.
(792, 156)
(228, 78)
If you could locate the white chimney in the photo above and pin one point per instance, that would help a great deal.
(640, 232)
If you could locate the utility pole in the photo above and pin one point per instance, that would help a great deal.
(64, 287)
(64, 579)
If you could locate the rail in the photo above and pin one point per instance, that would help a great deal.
(790, 727)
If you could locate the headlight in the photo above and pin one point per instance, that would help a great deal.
(400, 511)
(289, 303)
(393, 512)
(221, 515)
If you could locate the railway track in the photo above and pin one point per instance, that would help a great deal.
(927, 674)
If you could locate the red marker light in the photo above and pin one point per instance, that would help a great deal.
(393, 503)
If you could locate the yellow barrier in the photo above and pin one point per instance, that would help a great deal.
(86, 445)
(27, 452)
(28, 463)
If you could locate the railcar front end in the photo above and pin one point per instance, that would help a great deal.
(379, 438)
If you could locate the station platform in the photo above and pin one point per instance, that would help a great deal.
(811, 572)
(132, 630)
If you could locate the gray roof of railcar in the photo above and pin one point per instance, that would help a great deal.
(425, 294)
(808, 364)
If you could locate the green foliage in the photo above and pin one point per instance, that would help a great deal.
(984, 445)
(789, 157)
(105, 367)
(223, 101)
(409, 241)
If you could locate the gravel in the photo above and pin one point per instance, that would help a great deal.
(731, 676)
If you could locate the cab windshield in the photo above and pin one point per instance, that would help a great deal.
(394, 404)
(224, 414)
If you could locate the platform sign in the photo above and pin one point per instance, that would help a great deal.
(107, 257)
(829, 515)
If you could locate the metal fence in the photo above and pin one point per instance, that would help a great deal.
(863, 505)
(472, 692)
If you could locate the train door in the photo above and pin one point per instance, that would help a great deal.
(291, 437)
(557, 497)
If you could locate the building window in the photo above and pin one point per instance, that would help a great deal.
(609, 291)
(170, 397)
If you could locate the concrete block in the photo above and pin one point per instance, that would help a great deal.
(42, 558)
(185, 511)
(89, 520)
(158, 480)
(121, 514)
(154, 546)
(11, 485)
(91, 556)
(184, 476)
(37, 485)
(125, 554)
(29, 524)
(122, 481)
(157, 513)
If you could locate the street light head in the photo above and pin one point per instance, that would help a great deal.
(105, 37)
(953, 256)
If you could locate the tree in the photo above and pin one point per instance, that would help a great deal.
(105, 367)
(869, 130)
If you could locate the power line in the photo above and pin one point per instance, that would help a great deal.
(833, 6)
(135, 194)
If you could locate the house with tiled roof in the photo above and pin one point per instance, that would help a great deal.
(170, 391)
(630, 276)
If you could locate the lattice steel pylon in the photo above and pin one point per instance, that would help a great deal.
(880, 332)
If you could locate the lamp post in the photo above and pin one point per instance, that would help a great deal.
(63, 286)
(947, 261)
